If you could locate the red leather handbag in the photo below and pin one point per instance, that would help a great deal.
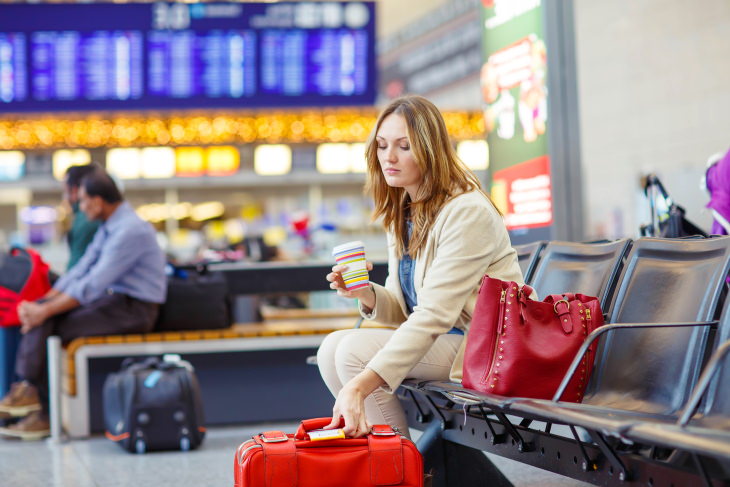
(520, 347)
(274, 459)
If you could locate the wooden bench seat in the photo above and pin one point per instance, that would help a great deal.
(270, 313)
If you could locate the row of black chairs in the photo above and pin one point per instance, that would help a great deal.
(650, 415)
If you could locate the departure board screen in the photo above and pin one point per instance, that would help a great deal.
(173, 55)
(100, 65)
(13, 84)
(215, 64)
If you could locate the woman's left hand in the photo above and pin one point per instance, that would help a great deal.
(350, 403)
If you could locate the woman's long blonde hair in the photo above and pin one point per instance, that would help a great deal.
(444, 175)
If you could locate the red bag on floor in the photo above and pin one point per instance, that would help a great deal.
(274, 459)
(520, 347)
(23, 277)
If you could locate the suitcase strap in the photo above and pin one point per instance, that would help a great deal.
(280, 459)
(386, 456)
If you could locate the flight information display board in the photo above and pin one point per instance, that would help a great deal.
(174, 55)
(13, 82)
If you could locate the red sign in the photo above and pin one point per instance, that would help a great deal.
(523, 193)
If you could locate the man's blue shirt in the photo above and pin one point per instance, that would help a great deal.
(124, 257)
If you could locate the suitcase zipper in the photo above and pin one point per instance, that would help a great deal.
(586, 356)
(488, 372)
(184, 372)
(122, 417)
(131, 419)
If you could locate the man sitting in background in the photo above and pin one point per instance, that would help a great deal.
(116, 287)
(82, 229)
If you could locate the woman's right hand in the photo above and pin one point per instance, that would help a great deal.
(366, 295)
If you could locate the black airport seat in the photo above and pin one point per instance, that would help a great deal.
(704, 427)
(707, 433)
(644, 373)
(649, 359)
(528, 255)
(586, 268)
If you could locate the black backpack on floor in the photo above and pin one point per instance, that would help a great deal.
(154, 405)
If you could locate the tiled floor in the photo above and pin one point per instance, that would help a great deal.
(97, 462)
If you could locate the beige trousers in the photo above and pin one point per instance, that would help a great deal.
(345, 353)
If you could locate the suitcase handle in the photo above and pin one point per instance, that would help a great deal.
(318, 423)
(314, 424)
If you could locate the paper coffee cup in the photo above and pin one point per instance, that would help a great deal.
(352, 254)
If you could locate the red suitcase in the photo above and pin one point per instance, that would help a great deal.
(274, 459)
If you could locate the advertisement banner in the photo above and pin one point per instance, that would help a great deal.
(524, 194)
(513, 82)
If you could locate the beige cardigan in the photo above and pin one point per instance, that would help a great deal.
(467, 240)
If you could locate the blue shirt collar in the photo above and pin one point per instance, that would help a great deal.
(116, 218)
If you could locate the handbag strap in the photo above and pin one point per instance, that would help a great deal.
(526, 292)
(280, 459)
(561, 306)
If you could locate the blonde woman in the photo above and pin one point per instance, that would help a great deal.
(443, 234)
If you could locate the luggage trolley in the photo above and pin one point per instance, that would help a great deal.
(667, 218)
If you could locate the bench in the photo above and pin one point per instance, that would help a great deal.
(643, 376)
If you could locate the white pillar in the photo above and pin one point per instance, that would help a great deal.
(54, 386)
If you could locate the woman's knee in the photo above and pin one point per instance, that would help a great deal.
(328, 348)
(355, 350)
(348, 351)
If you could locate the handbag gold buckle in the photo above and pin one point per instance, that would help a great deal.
(555, 305)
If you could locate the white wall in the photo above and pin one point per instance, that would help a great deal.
(654, 94)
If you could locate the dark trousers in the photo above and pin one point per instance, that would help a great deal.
(113, 314)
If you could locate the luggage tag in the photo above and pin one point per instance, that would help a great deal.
(322, 434)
